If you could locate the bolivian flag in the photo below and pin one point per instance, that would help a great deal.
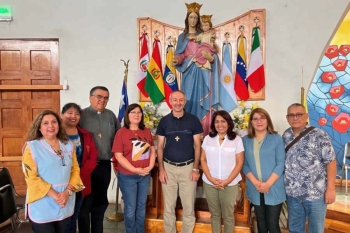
(154, 80)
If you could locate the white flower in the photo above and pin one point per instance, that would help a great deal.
(240, 115)
(151, 115)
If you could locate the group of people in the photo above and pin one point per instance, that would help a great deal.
(67, 167)
(67, 157)
(298, 166)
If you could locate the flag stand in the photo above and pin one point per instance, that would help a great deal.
(118, 217)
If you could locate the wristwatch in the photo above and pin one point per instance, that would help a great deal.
(195, 169)
(70, 193)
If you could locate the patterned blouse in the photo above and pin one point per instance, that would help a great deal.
(306, 164)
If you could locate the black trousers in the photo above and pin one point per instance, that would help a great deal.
(95, 204)
(267, 216)
(52, 227)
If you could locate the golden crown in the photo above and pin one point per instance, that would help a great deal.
(206, 18)
(193, 7)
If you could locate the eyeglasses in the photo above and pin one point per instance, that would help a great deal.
(63, 161)
(100, 97)
(297, 115)
(135, 113)
(259, 119)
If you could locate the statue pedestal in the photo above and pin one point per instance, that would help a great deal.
(155, 210)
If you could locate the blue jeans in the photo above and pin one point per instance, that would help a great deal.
(134, 189)
(299, 210)
(72, 223)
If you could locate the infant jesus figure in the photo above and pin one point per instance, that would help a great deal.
(205, 51)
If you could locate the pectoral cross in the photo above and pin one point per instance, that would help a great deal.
(100, 135)
(177, 138)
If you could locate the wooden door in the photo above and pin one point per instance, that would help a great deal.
(29, 83)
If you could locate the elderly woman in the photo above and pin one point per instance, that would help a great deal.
(51, 171)
(134, 149)
(264, 167)
(200, 85)
(222, 160)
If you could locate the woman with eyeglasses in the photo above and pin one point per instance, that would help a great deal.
(264, 166)
(51, 172)
(86, 155)
(134, 149)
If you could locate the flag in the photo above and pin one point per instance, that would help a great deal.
(241, 84)
(124, 102)
(228, 98)
(170, 81)
(304, 101)
(154, 80)
(255, 72)
(143, 64)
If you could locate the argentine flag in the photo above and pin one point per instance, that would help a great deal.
(228, 98)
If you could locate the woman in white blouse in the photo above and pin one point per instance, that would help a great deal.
(222, 159)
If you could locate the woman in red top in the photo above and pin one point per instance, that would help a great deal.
(86, 155)
(134, 149)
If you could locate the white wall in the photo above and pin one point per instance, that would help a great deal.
(95, 35)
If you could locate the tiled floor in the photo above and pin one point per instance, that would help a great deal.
(112, 227)
(342, 205)
(108, 226)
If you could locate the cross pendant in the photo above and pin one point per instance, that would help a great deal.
(177, 138)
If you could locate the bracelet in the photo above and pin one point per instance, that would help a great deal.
(195, 169)
(70, 192)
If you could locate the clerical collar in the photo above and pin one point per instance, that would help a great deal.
(94, 110)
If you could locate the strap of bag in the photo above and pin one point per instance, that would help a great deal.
(302, 134)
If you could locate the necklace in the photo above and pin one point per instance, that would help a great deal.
(259, 141)
(177, 127)
(134, 130)
(57, 152)
(222, 137)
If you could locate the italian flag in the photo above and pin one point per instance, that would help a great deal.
(255, 72)
(154, 80)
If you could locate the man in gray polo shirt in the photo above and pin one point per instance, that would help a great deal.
(103, 125)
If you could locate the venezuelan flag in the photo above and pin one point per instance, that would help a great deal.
(241, 83)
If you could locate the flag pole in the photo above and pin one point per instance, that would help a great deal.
(116, 216)
(126, 71)
(302, 91)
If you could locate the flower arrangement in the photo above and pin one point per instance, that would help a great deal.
(150, 115)
(240, 115)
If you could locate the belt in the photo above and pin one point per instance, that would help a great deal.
(104, 161)
(178, 164)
